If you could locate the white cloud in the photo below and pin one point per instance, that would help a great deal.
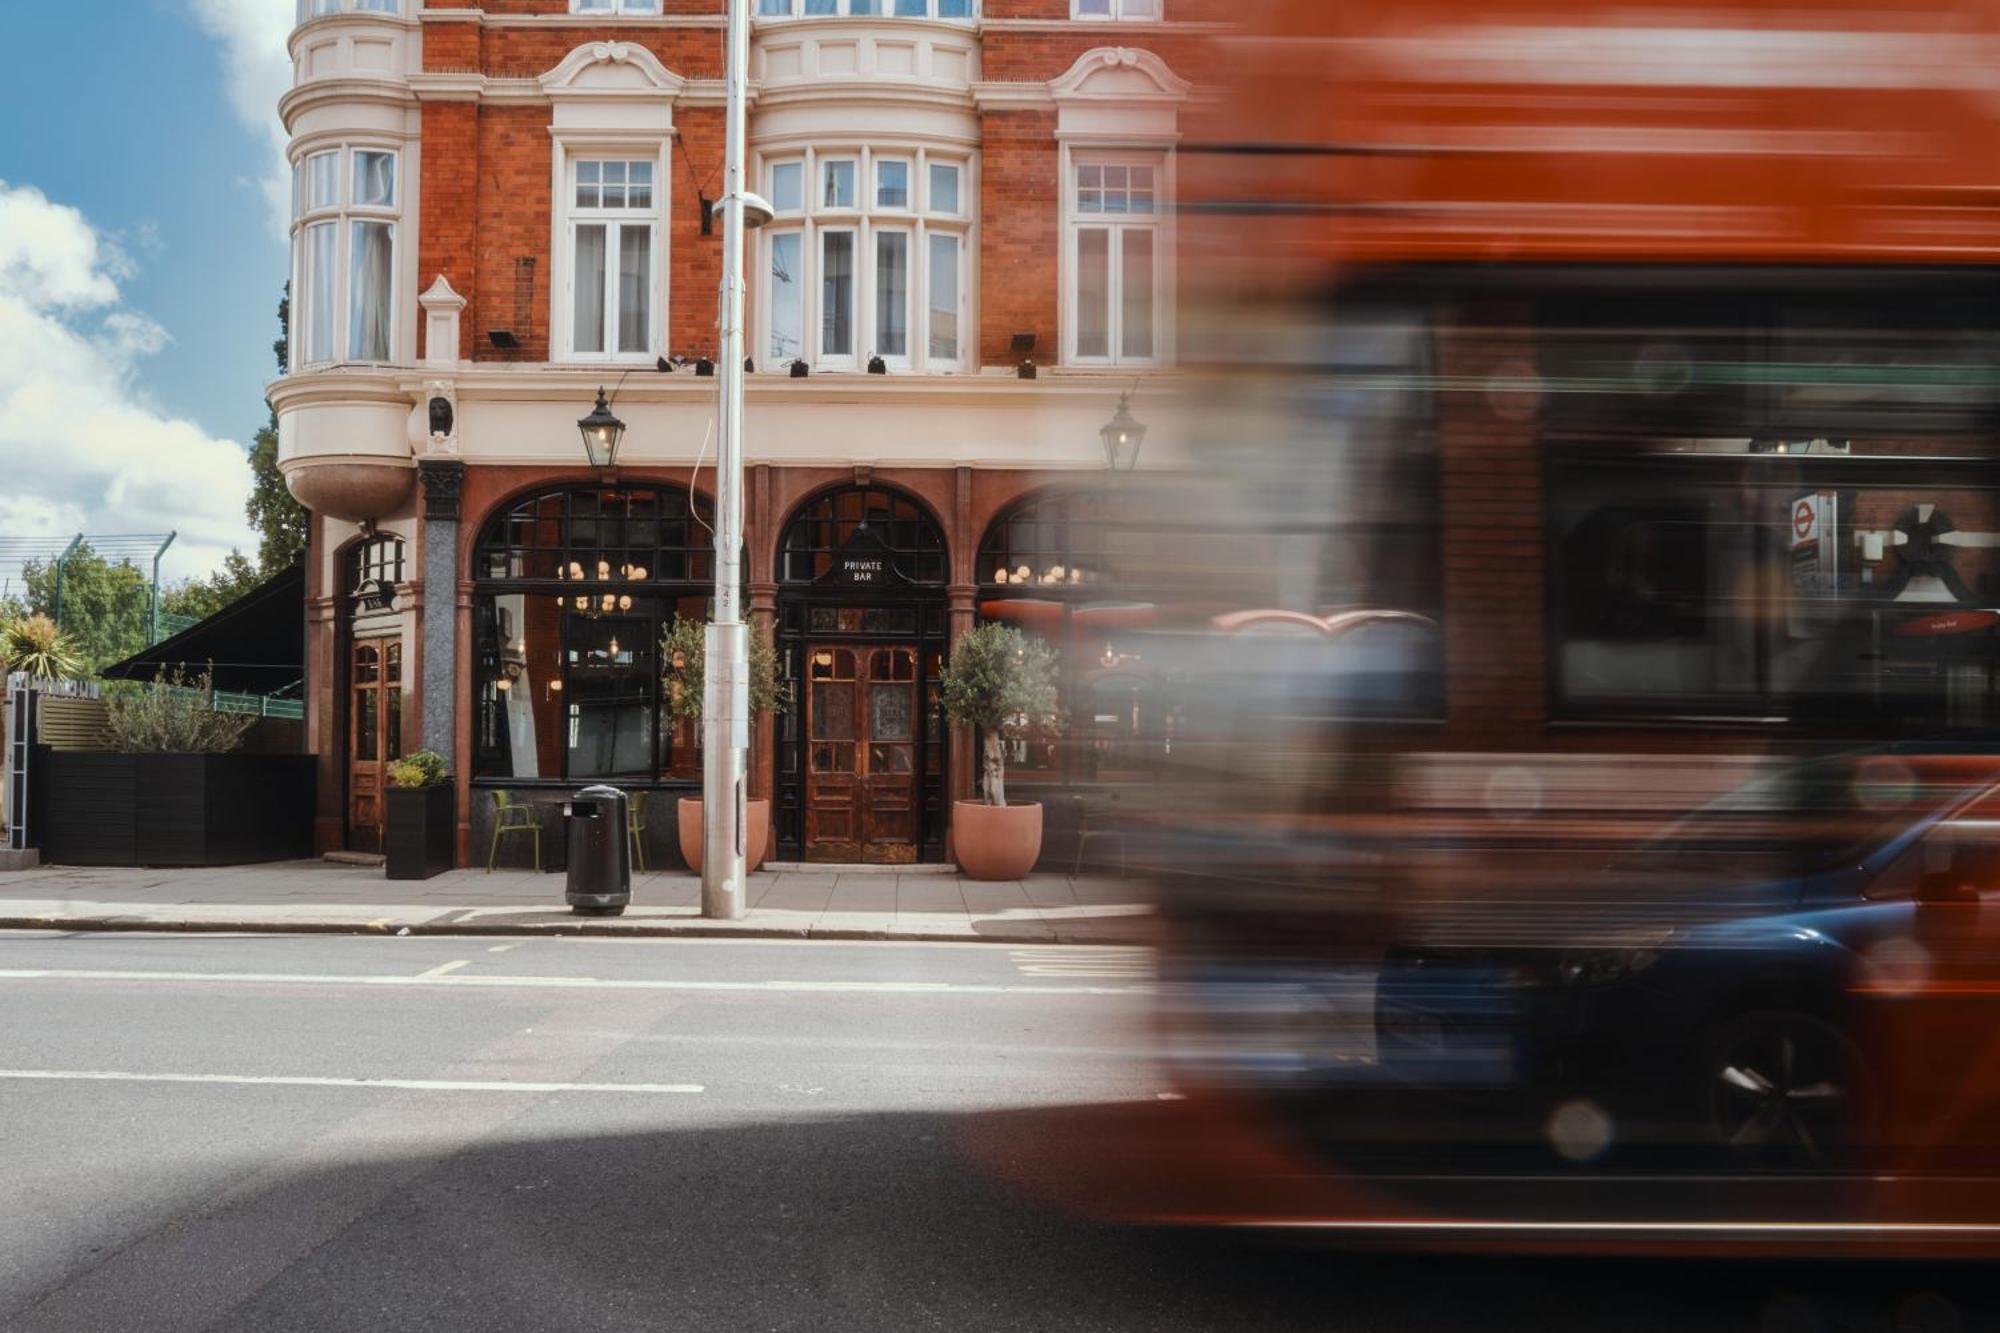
(82, 449)
(258, 71)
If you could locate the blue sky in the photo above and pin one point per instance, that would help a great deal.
(137, 115)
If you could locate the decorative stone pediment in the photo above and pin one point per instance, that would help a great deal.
(611, 69)
(1119, 74)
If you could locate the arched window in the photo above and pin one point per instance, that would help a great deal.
(1055, 539)
(635, 534)
(575, 588)
(833, 539)
(374, 568)
(1057, 565)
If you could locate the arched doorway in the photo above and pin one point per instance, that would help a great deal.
(862, 631)
(371, 570)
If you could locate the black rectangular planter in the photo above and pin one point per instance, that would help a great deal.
(417, 841)
(173, 809)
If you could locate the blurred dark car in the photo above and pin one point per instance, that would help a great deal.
(1803, 975)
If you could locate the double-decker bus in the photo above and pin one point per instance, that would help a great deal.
(1647, 357)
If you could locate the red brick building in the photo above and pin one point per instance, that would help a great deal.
(503, 206)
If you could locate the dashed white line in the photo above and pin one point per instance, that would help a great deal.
(444, 969)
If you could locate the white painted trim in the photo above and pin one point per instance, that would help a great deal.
(1071, 83)
(568, 144)
(562, 81)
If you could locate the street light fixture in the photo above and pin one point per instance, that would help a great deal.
(1122, 436)
(601, 433)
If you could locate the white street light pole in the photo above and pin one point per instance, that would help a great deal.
(726, 711)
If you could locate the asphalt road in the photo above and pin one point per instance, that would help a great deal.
(330, 1133)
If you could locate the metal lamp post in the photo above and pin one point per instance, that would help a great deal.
(726, 697)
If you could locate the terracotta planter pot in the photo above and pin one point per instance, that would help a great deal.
(996, 841)
(756, 834)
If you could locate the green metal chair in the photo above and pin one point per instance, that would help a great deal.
(512, 816)
(635, 830)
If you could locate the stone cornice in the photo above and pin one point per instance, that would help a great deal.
(598, 22)
(349, 89)
(1134, 31)
(474, 87)
(992, 96)
(488, 383)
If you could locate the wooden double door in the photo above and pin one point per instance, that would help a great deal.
(864, 774)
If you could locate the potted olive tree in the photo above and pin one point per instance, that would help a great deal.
(1003, 683)
(417, 817)
(682, 653)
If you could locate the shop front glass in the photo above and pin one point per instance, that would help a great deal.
(575, 590)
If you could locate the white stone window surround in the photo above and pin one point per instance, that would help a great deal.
(1119, 105)
(803, 223)
(948, 11)
(1117, 11)
(610, 100)
(1123, 233)
(610, 8)
(338, 217)
(571, 150)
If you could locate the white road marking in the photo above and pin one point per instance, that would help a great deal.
(304, 1081)
(444, 969)
(503, 948)
(559, 983)
(1063, 960)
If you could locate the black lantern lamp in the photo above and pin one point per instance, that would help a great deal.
(601, 434)
(1122, 436)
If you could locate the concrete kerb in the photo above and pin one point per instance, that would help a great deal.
(596, 926)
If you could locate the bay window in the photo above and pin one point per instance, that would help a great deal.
(1115, 259)
(613, 261)
(1115, 9)
(345, 201)
(866, 257)
(905, 9)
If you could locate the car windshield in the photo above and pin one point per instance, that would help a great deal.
(1803, 819)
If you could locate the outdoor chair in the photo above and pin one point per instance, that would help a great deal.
(512, 816)
(635, 830)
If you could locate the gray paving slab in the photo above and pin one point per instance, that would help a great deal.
(864, 893)
(929, 894)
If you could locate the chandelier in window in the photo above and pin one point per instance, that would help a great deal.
(597, 603)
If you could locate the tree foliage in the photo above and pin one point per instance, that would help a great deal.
(106, 608)
(199, 599)
(279, 519)
(683, 659)
(174, 715)
(1004, 683)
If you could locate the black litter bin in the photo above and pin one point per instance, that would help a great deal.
(600, 858)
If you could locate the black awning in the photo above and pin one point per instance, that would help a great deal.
(255, 645)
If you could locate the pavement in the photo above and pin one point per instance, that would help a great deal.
(810, 902)
(308, 1133)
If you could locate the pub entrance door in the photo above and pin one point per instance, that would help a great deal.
(862, 770)
(374, 735)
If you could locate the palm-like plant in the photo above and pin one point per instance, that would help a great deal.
(34, 645)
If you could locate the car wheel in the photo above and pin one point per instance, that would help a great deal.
(1783, 1089)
